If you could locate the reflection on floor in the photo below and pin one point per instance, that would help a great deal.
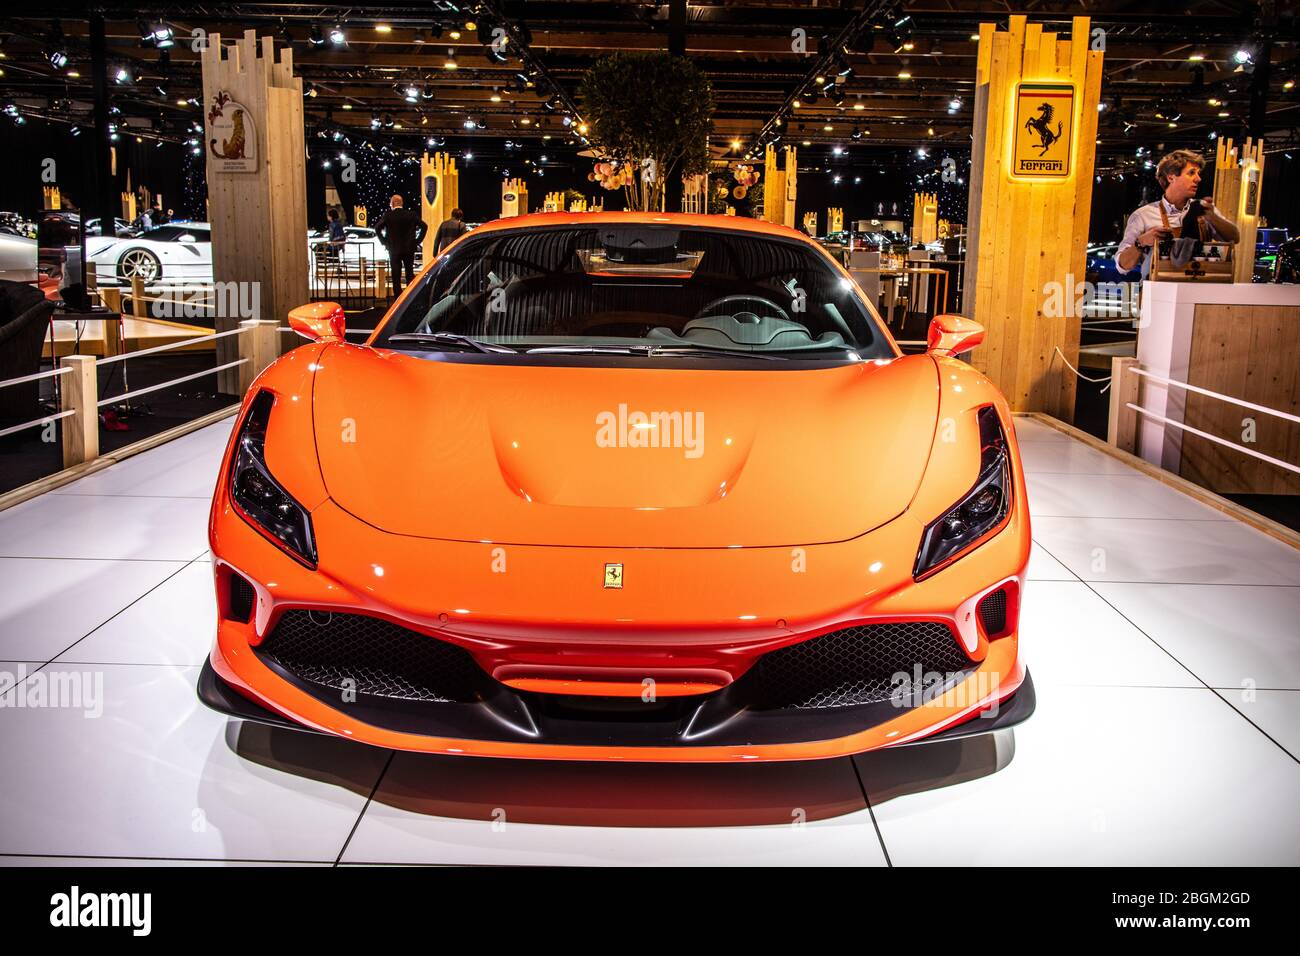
(1161, 634)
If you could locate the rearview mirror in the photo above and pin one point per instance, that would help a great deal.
(952, 334)
(320, 321)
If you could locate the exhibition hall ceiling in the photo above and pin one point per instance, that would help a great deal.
(898, 74)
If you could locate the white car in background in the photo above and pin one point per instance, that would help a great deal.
(362, 243)
(176, 252)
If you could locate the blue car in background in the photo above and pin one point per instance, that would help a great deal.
(1101, 265)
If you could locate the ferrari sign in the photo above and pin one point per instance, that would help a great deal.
(232, 138)
(1043, 135)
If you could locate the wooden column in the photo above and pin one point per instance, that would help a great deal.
(1238, 192)
(259, 216)
(925, 218)
(514, 198)
(780, 186)
(1029, 226)
(834, 219)
(439, 195)
(1121, 425)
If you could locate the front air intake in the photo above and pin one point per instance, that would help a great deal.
(993, 612)
(366, 655)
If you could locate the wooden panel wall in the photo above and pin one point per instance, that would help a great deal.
(1247, 352)
(259, 218)
(1025, 235)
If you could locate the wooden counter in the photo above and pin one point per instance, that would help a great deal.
(1238, 339)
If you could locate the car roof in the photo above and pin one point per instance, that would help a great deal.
(728, 223)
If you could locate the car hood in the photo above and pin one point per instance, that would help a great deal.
(621, 456)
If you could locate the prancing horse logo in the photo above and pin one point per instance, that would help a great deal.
(613, 575)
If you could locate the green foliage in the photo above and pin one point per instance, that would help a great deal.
(655, 106)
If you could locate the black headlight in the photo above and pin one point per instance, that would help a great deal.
(259, 496)
(980, 510)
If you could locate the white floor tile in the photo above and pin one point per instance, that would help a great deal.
(46, 605)
(1174, 552)
(1102, 776)
(1229, 636)
(1069, 635)
(173, 624)
(183, 467)
(160, 775)
(469, 810)
(1069, 458)
(102, 526)
(1044, 567)
(1029, 430)
(1112, 496)
(1275, 712)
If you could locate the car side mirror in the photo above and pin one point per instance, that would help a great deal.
(320, 321)
(952, 334)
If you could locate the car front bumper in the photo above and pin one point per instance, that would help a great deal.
(562, 659)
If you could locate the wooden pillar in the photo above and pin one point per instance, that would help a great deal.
(439, 195)
(257, 181)
(79, 393)
(925, 218)
(1030, 202)
(1238, 192)
(834, 219)
(554, 202)
(514, 198)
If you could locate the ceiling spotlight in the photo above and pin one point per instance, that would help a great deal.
(470, 124)
(450, 63)
(954, 105)
(471, 25)
(58, 59)
(904, 75)
(411, 94)
(337, 36)
(1242, 56)
(388, 120)
(921, 154)
(375, 121)
(797, 104)
(900, 34)
(163, 37)
(1196, 57)
(856, 134)
(383, 28)
(428, 92)
(454, 34)
(314, 36)
(123, 75)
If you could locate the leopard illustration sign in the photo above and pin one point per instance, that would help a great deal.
(1043, 135)
(232, 138)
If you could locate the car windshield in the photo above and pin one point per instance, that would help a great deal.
(638, 289)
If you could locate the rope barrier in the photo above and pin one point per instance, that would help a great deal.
(170, 345)
(1214, 438)
(1223, 398)
(31, 378)
(176, 381)
(40, 421)
(1095, 381)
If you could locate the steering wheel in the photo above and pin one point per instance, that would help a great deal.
(746, 316)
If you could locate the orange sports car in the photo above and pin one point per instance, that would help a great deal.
(623, 487)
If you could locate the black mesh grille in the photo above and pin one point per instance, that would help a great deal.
(374, 656)
(241, 599)
(993, 612)
(856, 665)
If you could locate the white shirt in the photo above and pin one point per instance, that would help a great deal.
(1148, 217)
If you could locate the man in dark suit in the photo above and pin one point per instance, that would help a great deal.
(450, 230)
(400, 230)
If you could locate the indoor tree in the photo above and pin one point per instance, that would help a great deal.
(653, 111)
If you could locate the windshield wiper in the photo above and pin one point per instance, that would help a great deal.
(590, 350)
(450, 338)
(697, 351)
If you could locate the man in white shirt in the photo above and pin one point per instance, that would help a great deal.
(1179, 175)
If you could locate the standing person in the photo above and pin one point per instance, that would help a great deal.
(337, 238)
(1179, 175)
(400, 230)
(159, 217)
(451, 230)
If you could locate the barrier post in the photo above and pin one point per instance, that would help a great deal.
(1121, 428)
(79, 393)
(259, 344)
(139, 308)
